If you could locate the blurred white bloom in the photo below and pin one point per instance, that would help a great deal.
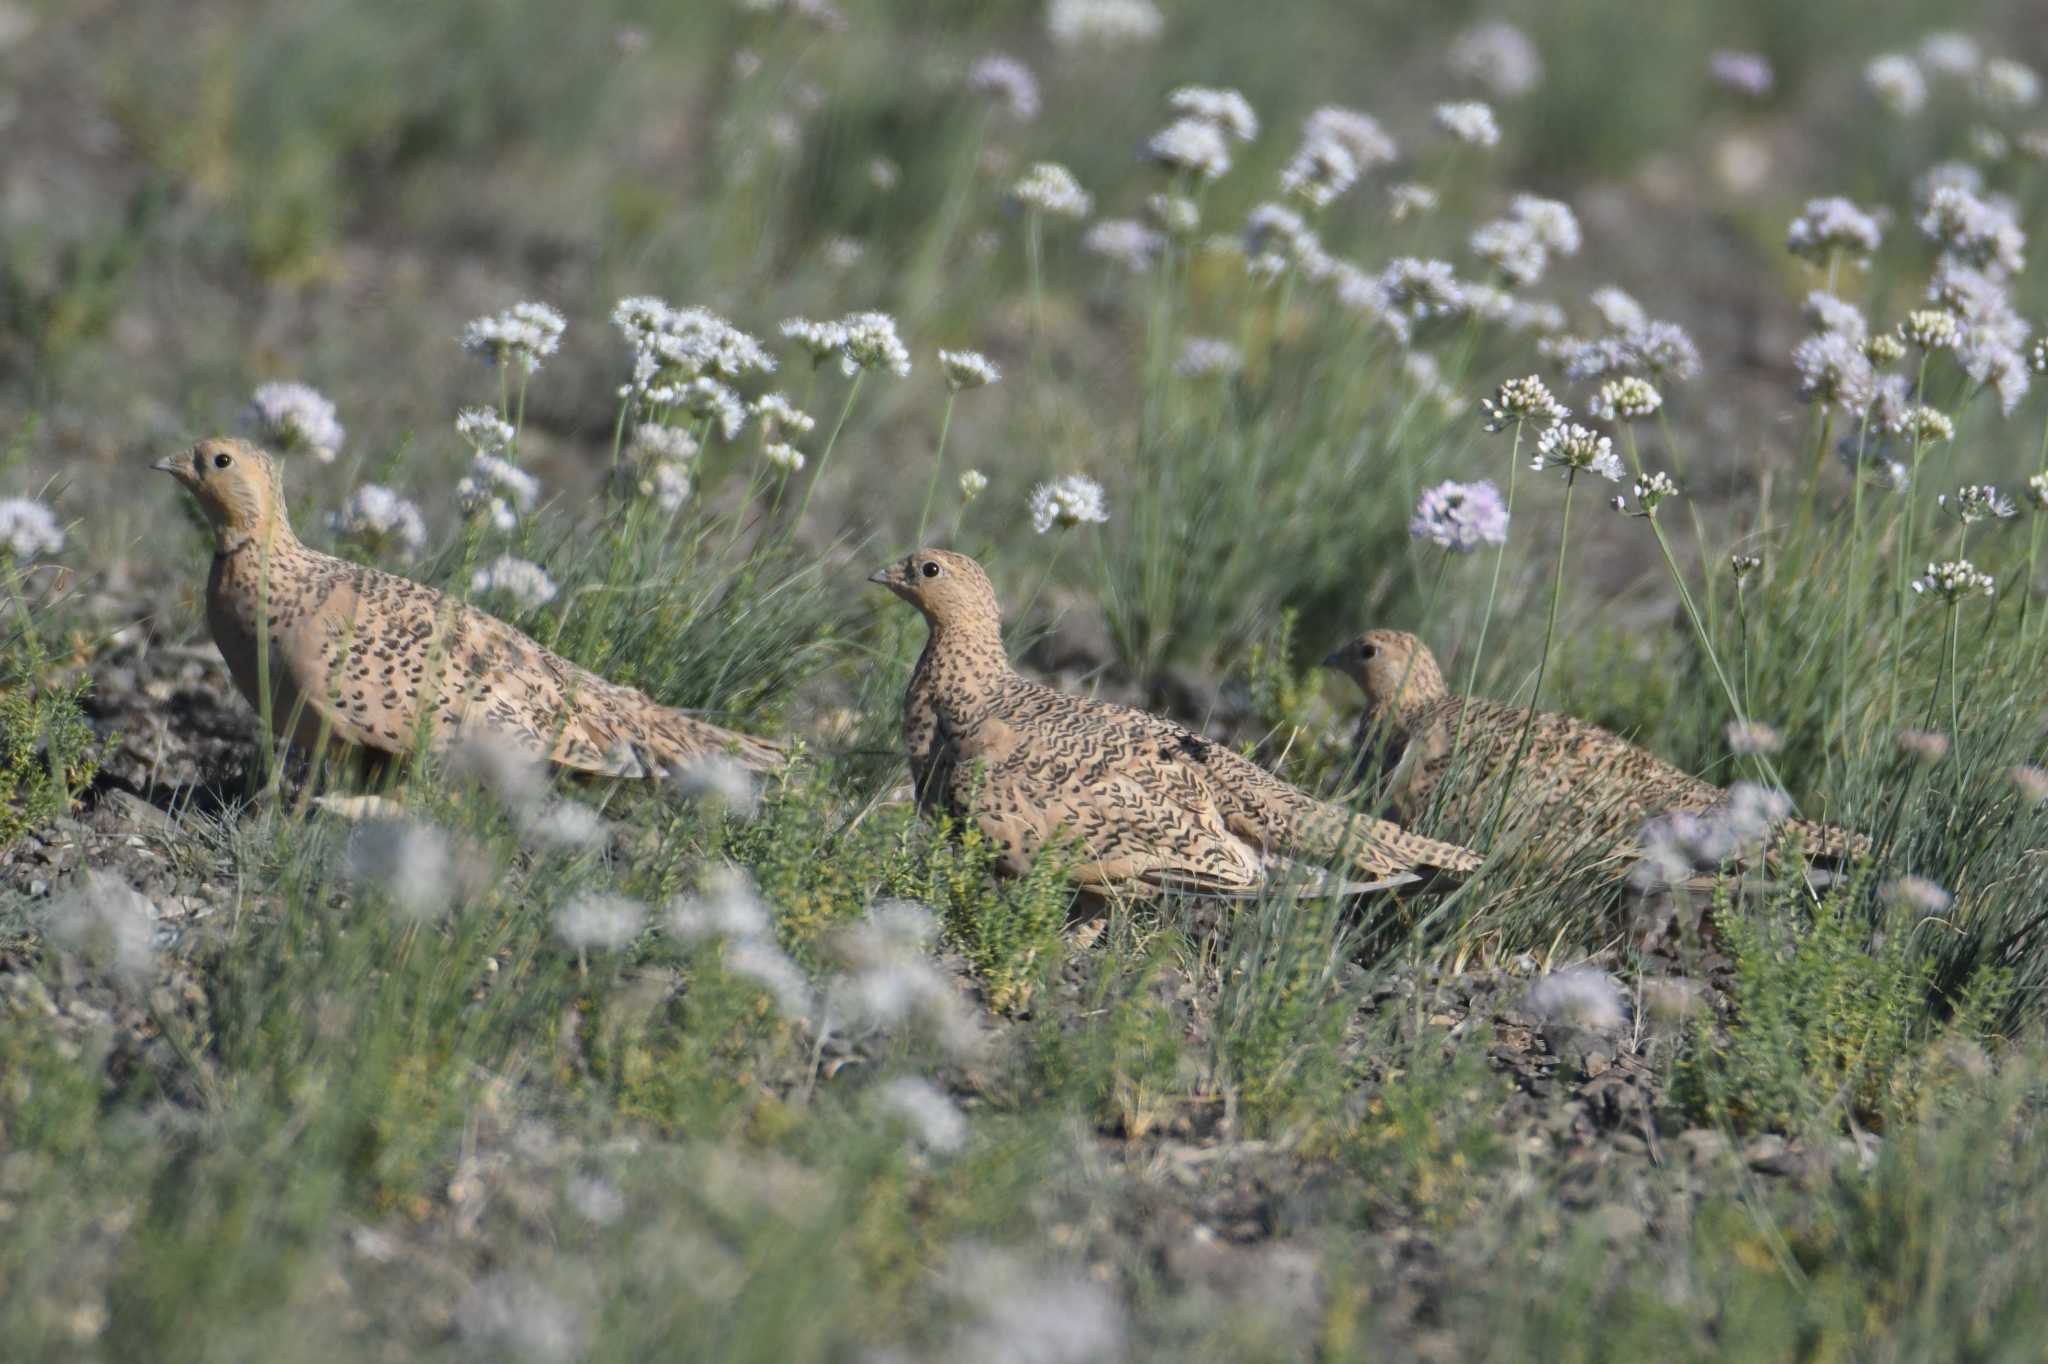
(1193, 145)
(2030, 782)
(1357, 133)
(1126, 241)
(295, 417)
(1026, 1316)
(1522, 400)
(1075, 23)
(1422, 288)
(872, 344)
(2033, 145)
(783, 456)
(1981, 232)
(498, 489)
(668, 484)
(727, 908)
(1897, 83)
(411, 862)
(524, 581)
(655, 441)
(1229, 110)
(1663, 351)
(1008, 83)
(1832, 225)
(1988, 144)
(822, 340)
(1742, 565)
(1552, 220)
(1748, 738)
(1830, 314)
(968, 369)
(1746, 73)
(1203, 357)
(1067, 502)
(1916, 894)
(606, 922)
(1469, 121)
(973, 483)
(2007, 84)
(1049, 187)
(932, 1117)
(506, 1317)
(1318, 173)
(1576, 450)
(1883, 349)
(1175, 213)
(522, 335)
(1618, 309)
(778, 414)
(889, 978)
(381, 520)
(108, 923)
(595, 1200)
(1274, 225)
(2037, 491)
(483, 430)
(843, 253)
(708, 399)
(1626, 399)
(1833, 369)
(1950, 54)
(1461, 516)
(1410, 200)
(1512, 247)
(1954, 580)
(761, 961)
(1923, 745)
(1421, 369)
(1538, 315)
(1978, 502)
(1497, 55)
(1580, 996)
(28, 529)
(883, 173)
(716, 777)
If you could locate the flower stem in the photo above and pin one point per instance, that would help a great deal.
(1905, 552)
(825, 455)
(931, 488)
(1564, 532)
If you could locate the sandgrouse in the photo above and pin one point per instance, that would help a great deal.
(354, 653)
(1150, 805)
(1578, 786)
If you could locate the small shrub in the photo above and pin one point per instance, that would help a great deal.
(47, 756)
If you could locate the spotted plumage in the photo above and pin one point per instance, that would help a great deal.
(1148, 804)
(361, 659)
(1578, 786)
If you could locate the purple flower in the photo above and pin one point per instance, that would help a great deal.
(1461, 516)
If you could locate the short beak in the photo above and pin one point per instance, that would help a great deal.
(169, 464)
(884, 576)
(1333, 659)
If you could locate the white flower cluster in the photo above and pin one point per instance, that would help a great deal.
(973, 483)
(1193, 145)
(1095, 23)
(778, 414)
(604, 922)
(483, 430)
(1576, 450)
(498, 489)
(1924, 425)
(1978, 502)
(1833, 369)
(1470, 122)
(687, 358)
(1460, 517)
(1074, 500)
(820, 340)
(1207, 357)
(28, 529)
(2007, 84)
(296, 417)
(1981, 232)
(1626, 399)
(1498, 56)
(379, 519)
(783, 457)
(1422, 288)
(2037, 492)
(1897, 83)
(1954, 580)
(1228, 110)
(1008, 83)
(1827, 313)
(1931, 329)
(524, 335)
(1125, 241)
(1522, 400)
(1410, 200)
(524, 581)
(1579, 997)
(871, 344)
(1677, 843)
(1832, 225)
(1048, 187)
(1746, 73)
(1651, 491)
(968, 369)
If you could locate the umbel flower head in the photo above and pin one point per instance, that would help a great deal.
(1067, 502)
(1626, 399)
(2037, 492)
(778, 414)
(1742, 565)
(1497, 55)
(820, 340)
(1832, 225)
(28, 530)
(1050, 188)
(1651, 491)
(1955, 580)
(1833, 369)
(872, 343)
(1229, 110)
(973, 483)
(1007, 83)
(1469, 121)
(1126, 241)
(498, 489)
(1931, 329)
(483, 430)
(524, 581)
(1522, 400)
(1978, 502)
(1206, 357)
(1897, 83)
(1576, 450)
(524, 335)
(1924, 425)
(1194, 145)
(1461, 516)
(295, 417)
(381, 520)
(968, 369)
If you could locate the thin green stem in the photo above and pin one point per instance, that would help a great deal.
(825, 455)
(931, 488)
(1905, 553)
(1564, 531)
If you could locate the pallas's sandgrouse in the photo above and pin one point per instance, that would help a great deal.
(360, 659)
(1147, 804)
(1578, 786)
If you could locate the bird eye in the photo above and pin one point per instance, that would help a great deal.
(1368, 650)
(222, 461)
(931, 568)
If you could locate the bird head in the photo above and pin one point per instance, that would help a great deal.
(950, 589)
(1394, 669)
(237, 486)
